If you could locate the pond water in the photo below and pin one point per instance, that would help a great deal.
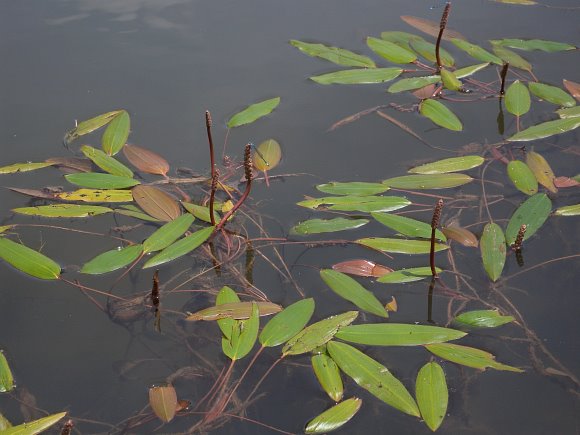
(166, 62)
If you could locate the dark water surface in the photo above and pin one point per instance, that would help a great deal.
(166, 61)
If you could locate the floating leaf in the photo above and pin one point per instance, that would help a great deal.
(234, 310)
(373, 377)
(156, 202)
(146, 160)
(267, 155)
(317, 226)
(517, 2)
(226, 296)
(397, 334)
(391, 51)
(355, 188)
(546, 129)
(542, 170)
(339, 56)
(407, 226)
(23, 167)
(533, 213)
(469, 70)
(362, 268)
(434, 181)
(517, 99)
(163, 402)
(476, 51)
(432, 395)
(552, 94)
(460, 235)
(569, 210)
(357, 203)
(453, 164)
(483, 319)
(413, 83)
(201, 212)
(430, 27)
(328, 376)
(468, 356)
(106, 163)
(349, 289)
(63, 210)
(570, 112)
(97, 180)
(253, 112)
(401, 246)
(522, 177)
(450, 81)
(116, 134)
(6, 378)
(4, 423)
(440, 114)
(287, 323)
(573, 88)
(317, 334)
(112, 260)
(244, 336)
(407, 275)
(493, 250)
(358, 76)
(402, 39)
(427, 50)
(71, 164)
(168, 233)
(514, 59)
(28, 260)
(90, 125)
(4, 228)
(334, 418)
(534, 44)
(97, 195)
(563, 182)
(180, 248)
(34, 427)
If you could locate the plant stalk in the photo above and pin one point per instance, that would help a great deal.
(434, 225)
(442, 25)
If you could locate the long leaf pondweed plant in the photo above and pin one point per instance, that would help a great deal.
(203, 216)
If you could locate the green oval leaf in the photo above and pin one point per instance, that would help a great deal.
(267, 155)
(116, 134)
(63, 210)
(28, 260)
(397, 334)
(334, 418)
(6, 378)
(522, 177)
(201, 212)
(317, 226)
(534, 44)
(401, 246)
(432, 394)
(355, 188)
(542, 170)
(407, 275)
(349, 289)
(373, 377)
(434, 181)
(440, 114)
(90, 125)
(287, 323)
(317, 334)
(244, 336)
(533, 213)
(97, 180)
(453, 164)
(569, 210)
(180, 248)
(106, 163)
(571, 112)
(357, 203)
(34, 427)
(168, 233)
(468, 356)
(226, 296)
(112, 260)
(514, 59)
(407, 226)
(412, 83)
(427, 50)
(476, 51)
(253, 112)
(23, 167)
(328, 376)
(391, 51)
(339, 56)
(483, 319)
(552, 94)
(358, 76)
(493, 252)
(546, 129)
(517, 99)
(450, 80)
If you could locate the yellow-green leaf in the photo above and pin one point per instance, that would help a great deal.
(431, 181)
(116, 133)
(401, 246)
(533, 213)
(450, 80)
(334, 418)
(6, 378)
(493, 251)
(28, 260)
(534, 44)
(97, 195)
(267, 155)
(180, 248)
(253, 112)
(546, 129)
(427, 50)
(357, 203)
(542, 170)
(391, 51)
(468, 356)
(514, 59)
(552, 94)
(411, 274)
(483, 319)
(358, 76)
(407, 226)
(233, 310)
(336, 55)
(355, 188)
(97, 180)
(90, 125)
(63, 210)
(476, 51)
(328, 376)
(432, 394)
(23, 167)
(287, 323)
(409, 84)
(168, 233)
(453, 164)
(112, 260)
(34, 427)
(106, 163)
(522, 177)
(569, 210)
(397, 334)
(440, 114)
(517, 99)
(244, 335)
(201, 212)
(317, 226)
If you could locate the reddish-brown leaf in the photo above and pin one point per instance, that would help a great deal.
(71, 164)
(425, 92)
(156, 202)
(430, 27)
(565, 182)
(45, 193)
(145, 160)
(573, 88)
(392, 306)
(163, 402)
(461, 235)
(362, 268)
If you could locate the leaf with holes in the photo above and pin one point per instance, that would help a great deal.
(552, 94)
(334, 418)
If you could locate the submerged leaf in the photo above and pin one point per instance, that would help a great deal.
(163, 402)
(483, 319)
(267, 155)
(23, 167)
(334, 418)
(401, 246)
(552, 94)
(112, 260)
(146, 160)
(180, 248)
(546, 129)
(116, 134)
(339, 56)
(355, 188)
(434, 181)
(358, 76)
(532, 213)
(397, 334)
(63, 210)
(493, 251)
(287, 323)
(253, 112)
(317, 226)
(522, 177)
(440, 114)
(468, 356)
(156, 202)
(407, 275)
(432, 394)
(328, 376)
(28, 260)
